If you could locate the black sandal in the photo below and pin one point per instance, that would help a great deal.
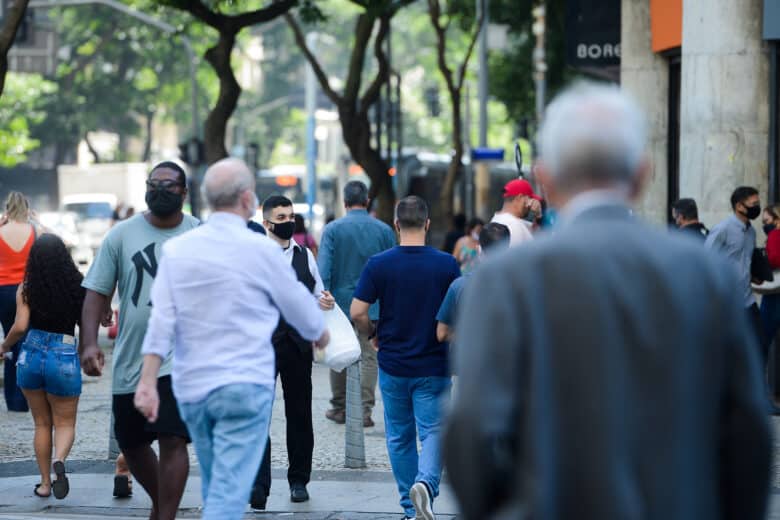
(60, 485)
(122, 486)
(35, 491)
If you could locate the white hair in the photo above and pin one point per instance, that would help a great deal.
(224, 182)
(593, 133)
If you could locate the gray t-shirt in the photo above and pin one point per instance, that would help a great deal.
(130, 254)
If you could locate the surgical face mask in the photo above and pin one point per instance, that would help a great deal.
(283, 230)
(475, 235)
(164, 203)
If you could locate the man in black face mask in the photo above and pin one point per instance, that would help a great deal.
(735, 238)
(128, 257)
(293, 360)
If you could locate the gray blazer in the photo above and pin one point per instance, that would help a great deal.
(607, 372)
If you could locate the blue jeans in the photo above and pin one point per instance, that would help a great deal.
(229, 429)
(413, 405)
(49, 362)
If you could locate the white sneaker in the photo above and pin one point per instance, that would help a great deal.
(422, 501)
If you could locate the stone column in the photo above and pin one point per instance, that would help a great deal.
(645, 75)
(725, 103)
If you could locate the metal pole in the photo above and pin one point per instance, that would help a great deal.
(482, 90)
(467, 146)
(192, 67)
(389, 100)
(774, 101)
(311, 143)
(540, 65)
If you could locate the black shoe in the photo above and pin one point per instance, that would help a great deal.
(257, 501)
(298, 493)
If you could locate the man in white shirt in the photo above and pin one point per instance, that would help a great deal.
(293, 360)
(219, 293)
(521, 207)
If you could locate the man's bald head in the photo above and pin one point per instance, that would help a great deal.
(224, 183)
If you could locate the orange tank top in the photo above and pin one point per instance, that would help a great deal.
(12, 263)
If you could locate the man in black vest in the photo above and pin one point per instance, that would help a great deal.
(293, 361)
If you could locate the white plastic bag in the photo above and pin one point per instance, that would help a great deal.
(344, 347)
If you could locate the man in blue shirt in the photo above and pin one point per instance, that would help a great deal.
(735, 238)
(346, 246)
(494, 236)
(410, 282)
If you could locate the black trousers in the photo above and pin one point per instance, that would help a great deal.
(14, 398)
(294, 366)
(754, 319)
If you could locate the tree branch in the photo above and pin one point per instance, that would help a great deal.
(12, 20)
(434, 11)
(470, 51)
(81, 61)
(199, 10)
(374, 90)
(363, 29)
(263, 15)
(396, 7)
(300, 39)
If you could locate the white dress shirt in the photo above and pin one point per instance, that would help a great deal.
(315, 273)
(216, 301)
(518, 231)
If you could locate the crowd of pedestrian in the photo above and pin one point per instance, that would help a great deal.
(604, 368)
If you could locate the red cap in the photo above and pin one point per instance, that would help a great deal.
(520, 187)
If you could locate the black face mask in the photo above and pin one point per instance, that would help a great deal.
(768, 228)
(753, 211)
(284, 230)
(163, 203)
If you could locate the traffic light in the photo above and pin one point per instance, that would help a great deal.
(431, 95)
(191, 152)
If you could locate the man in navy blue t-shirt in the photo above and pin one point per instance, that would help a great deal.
(410, 282)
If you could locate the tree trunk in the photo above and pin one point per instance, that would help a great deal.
(455, 167)
(356, 130)
(148, 137)
(229, 92)
(15, 12)
(95, 154)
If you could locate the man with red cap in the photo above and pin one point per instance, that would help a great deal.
(521, 207)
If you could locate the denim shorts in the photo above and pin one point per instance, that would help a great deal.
(49, 362)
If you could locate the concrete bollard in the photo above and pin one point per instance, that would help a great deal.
(354, 442)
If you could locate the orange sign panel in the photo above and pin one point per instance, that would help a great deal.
(666, 24)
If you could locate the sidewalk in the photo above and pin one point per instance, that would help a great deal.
(334, 495)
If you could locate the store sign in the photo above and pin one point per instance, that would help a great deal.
(771, 20)
(593, 33)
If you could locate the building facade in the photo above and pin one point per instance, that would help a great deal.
(705, 71)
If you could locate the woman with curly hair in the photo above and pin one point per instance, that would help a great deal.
(48, 306)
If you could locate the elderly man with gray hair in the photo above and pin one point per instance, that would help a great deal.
(613, 375)
(217, 298)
